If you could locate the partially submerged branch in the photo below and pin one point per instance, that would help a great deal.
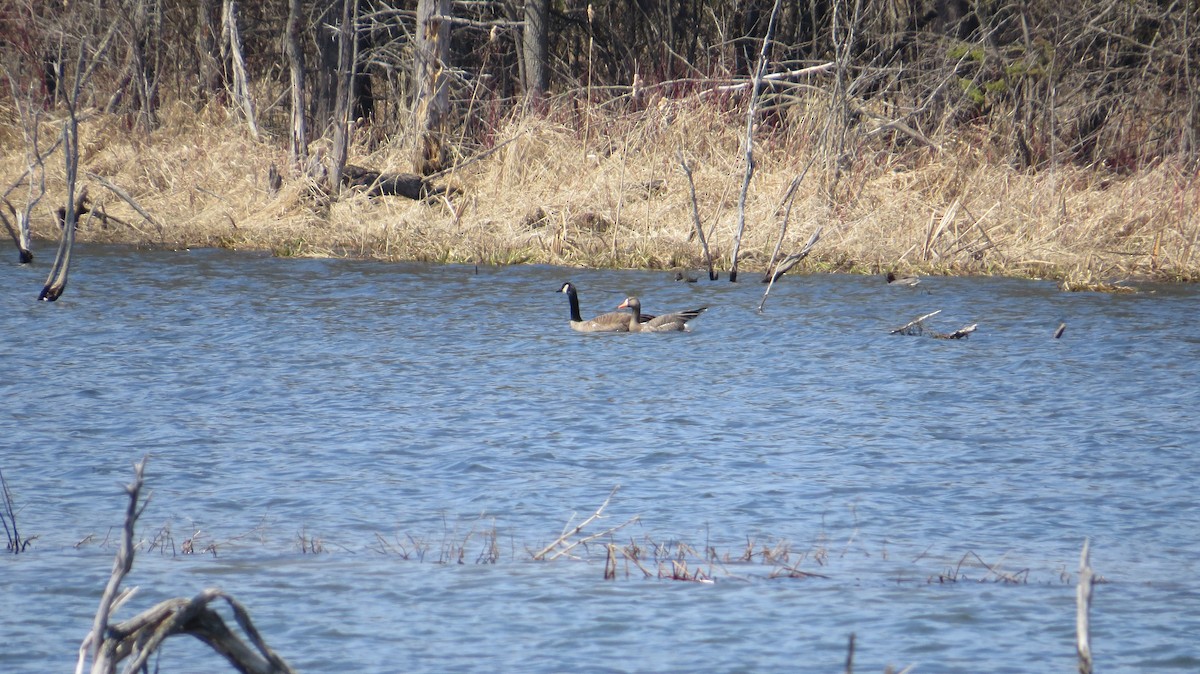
(687, 170)
(136, 639)
(916, 327)
(8, 517)
(786, 265)
(1083, 606)
(564, 540)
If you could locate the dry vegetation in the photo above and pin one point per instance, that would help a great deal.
(610, 193)
(933, 137)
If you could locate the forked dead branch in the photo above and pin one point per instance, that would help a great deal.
(564, 544)
(109, 644)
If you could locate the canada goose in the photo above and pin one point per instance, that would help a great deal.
(894, 280)
(674, 322)
(613, 321)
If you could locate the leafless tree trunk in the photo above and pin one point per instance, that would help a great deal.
(345, 85)
(535, 49)
(208, 67)
(56, 282)
(751, 115)
(232, 42)
(432, 102)
(298, 148)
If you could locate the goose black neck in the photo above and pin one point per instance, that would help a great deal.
(574, 298)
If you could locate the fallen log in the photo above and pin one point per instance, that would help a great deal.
(409, 185)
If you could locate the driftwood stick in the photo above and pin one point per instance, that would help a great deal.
(578, 528)
(914, 327)
(588, 539)
(1083, 605)
(687, 170)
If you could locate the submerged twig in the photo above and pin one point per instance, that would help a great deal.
(1083, 605)
(561, 540)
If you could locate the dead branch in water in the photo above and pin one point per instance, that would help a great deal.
(136, 639)
(961, 333)
(8, 517)
(687, 170)
(786, 265)
(1083, 605)
(572, 531)
(916, 327)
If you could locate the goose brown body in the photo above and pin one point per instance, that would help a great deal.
(909, 281)
(672, 322)
(613, 321)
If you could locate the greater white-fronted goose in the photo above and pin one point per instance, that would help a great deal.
(673, 322)
(894, 280)
(613, 321)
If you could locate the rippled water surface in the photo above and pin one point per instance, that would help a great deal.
(429, 428)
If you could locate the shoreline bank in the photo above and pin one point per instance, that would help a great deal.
(620, 200)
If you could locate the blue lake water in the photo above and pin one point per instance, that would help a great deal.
(430, 428)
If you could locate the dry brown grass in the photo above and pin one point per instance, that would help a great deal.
(611, 194)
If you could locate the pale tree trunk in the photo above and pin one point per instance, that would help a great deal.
(432, 103)
(298, 148)
(345, 79)
(535, 49)
(241, 84)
